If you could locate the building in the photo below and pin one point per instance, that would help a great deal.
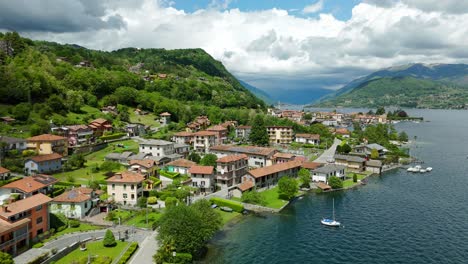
(4, 173)
(353, 163)
(344, 132)
(48, 144)
(181, 149)
(313, 139)
(29, 186)
(12, 143)
(125, 187)
(202, 178)
(165, 118)
(245, 186)
(145, 167)
(43, 164)
(22, 221)
(100, 126)
(122, 158)
(135, 130)
(374, 166)
(7, 119)
(76, 203)
(367, 149)
(310, 165)
(157, 148)
(322, 174)
(183, 138)
(269, 175)
(203, 140)
(280, 134)
(230, 169)
(201, 122)
(243, 132)
(221, 133)
(258, 156)
(181, 166)
(280, 157)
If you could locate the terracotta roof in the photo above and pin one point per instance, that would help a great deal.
(126, 176)
(165, 114)
(261, 172)
(342, 131)
(244, 127)
(204, 133)
(72, 196)
(259, 151)
(247, 185)
(284, 155)
(181, 163)
(231, 158)
(7, 226)
(311, 165)
(201, 169)
(46, 157)
(25, 204)
(288, 127)
(99, 121)
(78, 127)
(46, 137)
(308, 136)
(3, 170)
(183, 134)
(217, 128)
(84, 190)
(147, 163)
(31, 183)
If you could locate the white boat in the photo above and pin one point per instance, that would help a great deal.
(410, 169)
(429, 169)
(422, 170)
(417, 167)
(331, 222)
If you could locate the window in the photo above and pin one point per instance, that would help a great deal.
(86, 205)
(125, 196)
(72, 207)
(132, 196)
(113, 194)
(39, 208)
(113, 186)
(39, 220)
(125, 186)
(132, 187)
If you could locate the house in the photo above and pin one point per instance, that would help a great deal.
(181, 166)
(279, 157)
(181, 149)
(245, 186)
(22, 221)
(100, 126)
(201, 122)
(4, 173)
(48, 144)
(322, 174)
(125, 187)
(367, 149)
(183, 138)
(310, 165)
(165, 118)
(353, 163)
(313, 139)
(243, 132)
(43, 164)
(202, 178)
(146, 167)
(162, 161)
(221, 133)
(374, 166)
(135, 130)
(110, 109)
(203, 140)
(230, 169)
(258, 156)
(269, 175)
(344, 132)
(7, 119)
(280, 134)
(79, 135)
(122, 158)
(156, 147)
(76, 203)
(11, 143)
(29, 186)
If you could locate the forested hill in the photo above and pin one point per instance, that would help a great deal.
(39, 72)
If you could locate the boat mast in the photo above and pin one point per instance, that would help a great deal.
(333, 209)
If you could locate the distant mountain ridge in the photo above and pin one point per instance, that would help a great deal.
(257, 92)
(412, 85)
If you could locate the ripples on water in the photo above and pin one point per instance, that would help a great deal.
(396, 218)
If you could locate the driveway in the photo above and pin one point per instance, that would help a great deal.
(329, 153)
(146, 250)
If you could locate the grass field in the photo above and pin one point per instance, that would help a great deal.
(272, 198)
(83, 227)
(140, 219)
(227, 216)
(94, 249)
(349, 180)
(149, 119)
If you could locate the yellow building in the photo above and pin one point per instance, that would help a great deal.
(280, 134)
(48, 144)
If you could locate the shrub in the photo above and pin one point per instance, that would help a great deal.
(335, 182)
(109, 239)
(152, 200)
(171, 201)
(253, 197)
(113, 136)
(141, 202)
(238, 207)
(58, 221)
(74, 223)
(60, 229)
(168, 174)
(126, 256)
(38, 245)
(40, 258)
(354, 177)
(183, 258)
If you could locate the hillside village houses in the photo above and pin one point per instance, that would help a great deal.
(12, 143)
(243, 132)
(269, 175)
(181, 166)
(203, 140)
(367, 149)
(48, 144)
(280, 134)
(76, 134)
(125, 187)
(313, 139)
(202, 178)
(230, 169)
(257, 156)
(322, 174)
(157, 148)
(28, 186)
(183, 138)
(353, 163)
(43, 164)
(76, 203)
(100, 126)
(221, 133)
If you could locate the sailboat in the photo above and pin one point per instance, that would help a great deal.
(331, 222)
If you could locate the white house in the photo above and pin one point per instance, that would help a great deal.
(125, 187)
(203, 140)
(313, 139)
(258, 156)
(157, 148)
(75, 203)
(202, 178)
(322, 174)
(181, 166)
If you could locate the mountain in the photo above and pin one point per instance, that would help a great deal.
(413, 85)
(258, 93)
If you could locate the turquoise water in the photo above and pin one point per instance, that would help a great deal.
(396, 218)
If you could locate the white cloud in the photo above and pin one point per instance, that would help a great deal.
(313, 8)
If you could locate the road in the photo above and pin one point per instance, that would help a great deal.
(329, 153)
(146, 250)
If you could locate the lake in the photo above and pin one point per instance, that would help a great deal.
(397, 217)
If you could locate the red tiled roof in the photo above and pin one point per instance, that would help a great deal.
(46, 137)
(217, 128)
(147, 163)
(204, 133)
(78, 127)
(99, 121)
(283, 155)
(73, 196)
(181, 163)
(247, 185)
(259, 151)
(126, 176)
(201, 169)
(30, 184)
(261, 172)
(25, 204)
(244, 127)
(342, 131)
(231, 158)
(46, 157)
(183, 134)
(311, 165)
(308, 136)
(3, 170)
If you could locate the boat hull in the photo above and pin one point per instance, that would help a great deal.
(329, 222)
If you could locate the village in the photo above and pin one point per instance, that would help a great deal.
(95, 175)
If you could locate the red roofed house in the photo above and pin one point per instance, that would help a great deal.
(100, 125)
(230, 169)
(202, 178)
(125, 187)
(344, 132)
(48, 144)
(269, 175)
(29, 186)
(203, 140)
(165, 118)
(181, 166)
(280, 157)
(243, 132)
(22, 221)
(183, 138)
(76, 203)
(4, 173)
(221, 133)
(146, 167)
(43, 163)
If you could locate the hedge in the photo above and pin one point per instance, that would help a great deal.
(155, 180)
(126, 256)
(58, 191)
(168, 174)
(238, 207)
(71, 184)
(183, 258)
(113, 136)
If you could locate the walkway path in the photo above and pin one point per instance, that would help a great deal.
(329, 153)
(146, 250)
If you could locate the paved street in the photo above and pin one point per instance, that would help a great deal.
(146, 250)
(329, 153)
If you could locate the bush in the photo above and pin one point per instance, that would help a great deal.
(354, 177)
(38, 245)
(183, 258)
(60, 229)
(113, 136)
(170, 175)
(171, 201)
(335, 182)
(141, 202)
(126, 256)
(74, 223)
(152, 200)
(109, 239)
(253, 197)
(238, 207)
(58, 221)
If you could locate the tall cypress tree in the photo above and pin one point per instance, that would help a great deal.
(258, 134)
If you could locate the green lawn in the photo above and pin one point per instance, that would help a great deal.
(227, 216)
(123, 214)
(272, 200)
(93, 159)
(149, 119)
(81, 228)
(86, 111)
(140, 219)
(349, 179)
(94, 249)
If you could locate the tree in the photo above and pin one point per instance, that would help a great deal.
(253, 197)
(259, 135)
(346, 148)
(74, 101)
(76, 161)
(370, 112)
(21, 111)
(374, 154)
(171, 201)
(307, 116)
(403, 136)
(335, 182)
(287, 187)
(141, 202)
(109, 166)
(109, 239)
(193, 156)
(6, 258)
(304, 176)
(354, 177)
(380, 111)
(209, 160)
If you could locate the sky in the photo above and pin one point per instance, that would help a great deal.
(299, 48)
